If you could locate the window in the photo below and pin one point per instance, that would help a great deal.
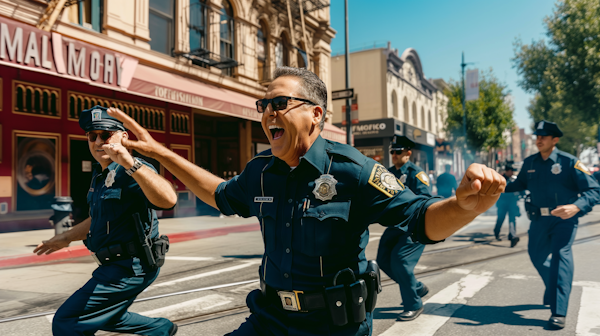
(301, 56)
(226, 24)
(162, 26)
(414, 114)
(430, 127)
(87, 13)
(261, 54)
(405, 108)
(282, 52)
(422, 123)
(197, 25)
(395, 104)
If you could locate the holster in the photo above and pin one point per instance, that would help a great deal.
(531, 210)
(160, 247)
(346, 299)
(372, 277)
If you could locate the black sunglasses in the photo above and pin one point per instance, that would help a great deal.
(277, 103)
(104, 136)
(398, 152)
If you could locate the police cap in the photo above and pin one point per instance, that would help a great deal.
(548, 128)
(97, 119)
(401, 142)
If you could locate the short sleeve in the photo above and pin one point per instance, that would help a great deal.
(232, 196)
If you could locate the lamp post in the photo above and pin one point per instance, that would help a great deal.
(348, 102)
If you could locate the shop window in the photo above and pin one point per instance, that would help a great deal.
(198, 26)
(261, 54)
(162, 26)
(36, 99)
(227, 34)
(36, 166)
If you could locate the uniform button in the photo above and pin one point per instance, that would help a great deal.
(287, 224)
(287, 250)
(285, 275)
(290, 200)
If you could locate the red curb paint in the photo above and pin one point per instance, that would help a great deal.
(82, 251)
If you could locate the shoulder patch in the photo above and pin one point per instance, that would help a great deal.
(385, 181)
(582, 167)
(423, 178)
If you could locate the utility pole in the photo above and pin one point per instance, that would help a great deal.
(348, 100)
(463, 66)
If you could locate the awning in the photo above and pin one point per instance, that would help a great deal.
(162, 85)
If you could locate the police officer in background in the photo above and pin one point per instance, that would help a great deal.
(315, 200)
(446, 183)
(398, 253)
(507, 204)
(562, 190)
(122, 186)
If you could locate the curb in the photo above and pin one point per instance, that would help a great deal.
(82, 251)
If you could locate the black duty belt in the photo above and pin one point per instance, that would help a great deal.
(116, 252)
(296, 300)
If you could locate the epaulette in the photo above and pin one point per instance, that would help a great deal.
(347, 151)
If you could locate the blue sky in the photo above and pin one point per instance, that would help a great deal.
(440, 30)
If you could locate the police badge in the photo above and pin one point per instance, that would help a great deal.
(110, 178)
(556, 168)
(325, 187)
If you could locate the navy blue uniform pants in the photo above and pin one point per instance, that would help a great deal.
(269, 319)
(503, 209)
(397, 256)
(102, 303)
(552, 235)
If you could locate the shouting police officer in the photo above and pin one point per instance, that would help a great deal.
(562, 189)
(122, 188)
(315, 199)
(398, 253)
(507, 204)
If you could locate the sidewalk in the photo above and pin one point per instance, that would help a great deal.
(16, 247)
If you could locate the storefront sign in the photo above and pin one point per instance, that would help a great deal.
(35, 49)
(419, 136)
(378, 128)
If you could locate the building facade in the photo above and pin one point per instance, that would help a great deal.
(189, 71)
(392, 96)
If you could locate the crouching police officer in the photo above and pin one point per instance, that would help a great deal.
(562, 190)
(121, 233)
(398, 253)
(315, 200)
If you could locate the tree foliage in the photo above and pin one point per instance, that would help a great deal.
(564, 73)
(488, 117)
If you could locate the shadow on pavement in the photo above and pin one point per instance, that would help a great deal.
(486, 315)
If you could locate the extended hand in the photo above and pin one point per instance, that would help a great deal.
(144, 144)
(119, 154)
(54, 244)
(565, 211)
(480, 188)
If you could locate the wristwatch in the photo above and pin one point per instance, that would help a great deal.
(136, 165)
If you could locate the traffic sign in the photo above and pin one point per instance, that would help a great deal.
(342, 94)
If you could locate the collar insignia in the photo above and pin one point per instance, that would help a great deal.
(110, 178)
(325, 187)
(556, 168)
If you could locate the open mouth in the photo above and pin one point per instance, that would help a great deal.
(276, 131)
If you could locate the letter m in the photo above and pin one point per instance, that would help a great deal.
(16, 46)
(76, 64)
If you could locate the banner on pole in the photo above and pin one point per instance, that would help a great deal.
(472, 85)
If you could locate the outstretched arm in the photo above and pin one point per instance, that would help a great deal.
(201, 182)
(78, 232)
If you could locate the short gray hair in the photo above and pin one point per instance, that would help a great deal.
(311, 87)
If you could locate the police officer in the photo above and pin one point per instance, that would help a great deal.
(398, 253)
(562, 190)
(121, 186)
(446, 183)
(315, 199)
(507, 204)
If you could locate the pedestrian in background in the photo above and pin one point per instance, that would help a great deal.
(315, 199)
(507, 204)
(121, 186)
(562, 190)
(446, 183)
(398, 253)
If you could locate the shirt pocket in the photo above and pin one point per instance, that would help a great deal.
(325, 228)
(268, 223)
(112, 203)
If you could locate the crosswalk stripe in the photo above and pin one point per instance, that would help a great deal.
(207, 274)
(588, 321)
(189, 308)
(246, 288)
(441, 306)
(190, 258)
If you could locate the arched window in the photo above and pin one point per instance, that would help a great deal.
(414, 114)
(198, 26)
(283, 52)
(395, 104)
(430, 127)
(301, 55)
(227, 33)
(422, 123)
(262, 52)
(405, 108)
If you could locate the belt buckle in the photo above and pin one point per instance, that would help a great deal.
(545, 211)
(289, 300)
(95, 258)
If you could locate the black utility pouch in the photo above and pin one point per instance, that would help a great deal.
(358, 294)
(160, 247)
(336, 302)
(372, 277)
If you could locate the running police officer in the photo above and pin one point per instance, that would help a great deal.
(121, 233)
(507, 204)
(562, 190)
(398, 253)
(315, 199)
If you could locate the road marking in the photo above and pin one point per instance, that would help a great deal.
(520, 277)
(440, 307)
(374, 239)
(588, 321)
(191, 258)
(246, 288)
(189, 308)
(207, 274)
(50, 318)
(591, 284)
(459, 271)
(420, 267)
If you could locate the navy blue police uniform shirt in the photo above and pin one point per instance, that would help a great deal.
(561, 179)
(306, 245)
(112, 206)
(416, 179)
